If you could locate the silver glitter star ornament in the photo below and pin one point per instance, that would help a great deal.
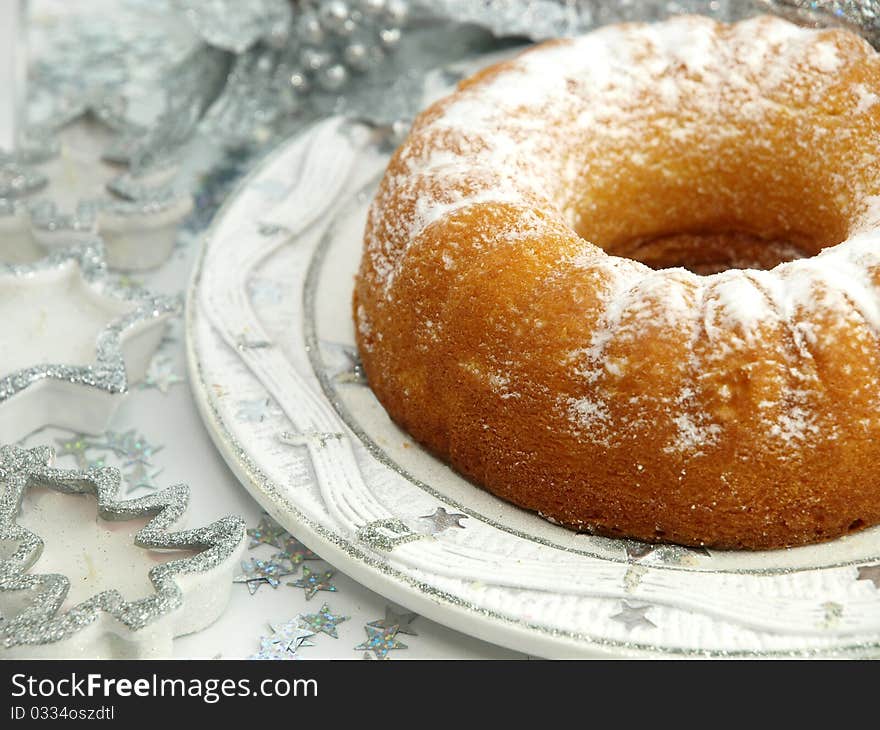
(76, 340)
(188, 593)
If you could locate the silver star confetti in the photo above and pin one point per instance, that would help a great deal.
(632, 616)
(131, 446)
(285, 642)
(258, 572)
(293, 551)
(161, 375)
(268, 532)
(75, 446)
(403, 621)
(441, 520)
(871, 573)
(256, 411)
(380, 641)
(139, 477)
(323, 621)
(311, 582)
(133, 450)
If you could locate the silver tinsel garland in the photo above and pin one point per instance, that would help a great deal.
(269, 67)
(307, 58)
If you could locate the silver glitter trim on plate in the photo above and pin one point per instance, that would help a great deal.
(39, 621)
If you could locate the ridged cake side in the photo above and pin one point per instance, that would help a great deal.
(738, 409)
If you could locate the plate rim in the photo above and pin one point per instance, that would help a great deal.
(377, 575)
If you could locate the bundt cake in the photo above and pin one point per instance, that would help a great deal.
(630, 281)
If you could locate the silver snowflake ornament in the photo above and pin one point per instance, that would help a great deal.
(43, 627)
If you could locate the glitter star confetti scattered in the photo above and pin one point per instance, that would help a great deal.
(257, 410)
(268, 532)
(403, 621)
(380, 641)
(294, 552)
(633, 616)
(75, 446)
(132, 451)
(259, 572)
(285, 642)
(312, 582)
(323, 621)
(128, 445)
(871, 573)
(140, 477)
(161, 375)
(441, 520)
(291, 550)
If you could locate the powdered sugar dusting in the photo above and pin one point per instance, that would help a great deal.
(514, 140)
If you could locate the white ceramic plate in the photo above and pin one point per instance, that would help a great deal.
(270, 348)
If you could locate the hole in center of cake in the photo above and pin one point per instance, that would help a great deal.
(711, 252)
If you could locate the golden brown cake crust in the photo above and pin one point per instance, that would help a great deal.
(498, 327)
